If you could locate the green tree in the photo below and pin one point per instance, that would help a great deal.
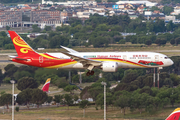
(138, 100)
(168, 82)
(70, 88)
(99, 41)
(49, 99)
(26, 82)
(36, 28)
(3, 33)
(38, 97)
(174, 95)
(167, 10)
(68, 100)
(61, 82)
(19, 74)
(6, 80)
(172, 41)
(24, 97)
(6, 99)
(148, 42)
(42, 74)
(7, 28)
(85, 92)
(58, 99)
(47, 28)
(170, 26)
(155, 8)
(129, 77)
(123, 102)
(160, 41)
(175, 78)
(75, 97)
(83, 104)
(10, 70)
(95, 91)
(100, 100)
(58, 40)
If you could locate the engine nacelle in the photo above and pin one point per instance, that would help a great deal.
(109, 66)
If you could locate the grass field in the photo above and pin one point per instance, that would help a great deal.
(75, 113)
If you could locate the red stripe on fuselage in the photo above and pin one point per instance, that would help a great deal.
(46, 62)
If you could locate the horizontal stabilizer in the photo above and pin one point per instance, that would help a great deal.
(18, 58)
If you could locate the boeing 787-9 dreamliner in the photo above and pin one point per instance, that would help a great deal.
(106, 61)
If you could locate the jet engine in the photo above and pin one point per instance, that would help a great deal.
(109, 66)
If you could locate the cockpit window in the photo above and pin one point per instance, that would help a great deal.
(166, 58)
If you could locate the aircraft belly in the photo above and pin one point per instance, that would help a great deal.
(73, 66)
(125, 65)
(67, 66)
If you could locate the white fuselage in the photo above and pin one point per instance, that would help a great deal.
(123, 59)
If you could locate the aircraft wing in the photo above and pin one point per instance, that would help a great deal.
(69, 49)
(84, 61)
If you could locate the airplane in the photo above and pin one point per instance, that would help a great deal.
(175, 115)
(106, 61)
(45, 87)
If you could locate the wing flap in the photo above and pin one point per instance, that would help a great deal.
(82, 60)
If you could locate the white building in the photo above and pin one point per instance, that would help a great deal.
(72, 3)
(176, 12)
(147, 3)
(169, 18)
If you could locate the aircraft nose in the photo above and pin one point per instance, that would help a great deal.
(170, 62)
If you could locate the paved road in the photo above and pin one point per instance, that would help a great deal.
(52, 92)
(5, 61)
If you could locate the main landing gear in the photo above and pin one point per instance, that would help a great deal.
(90, 73)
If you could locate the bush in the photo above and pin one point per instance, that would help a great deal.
(6, 80)
(122, 41)
(17, 109)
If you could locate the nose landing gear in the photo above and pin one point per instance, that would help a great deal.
(90, 73)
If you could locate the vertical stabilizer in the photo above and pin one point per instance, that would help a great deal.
(22, 48)
(45, 87)
(174, 115)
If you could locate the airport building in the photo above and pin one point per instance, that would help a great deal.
(45, 16)
(10, 18)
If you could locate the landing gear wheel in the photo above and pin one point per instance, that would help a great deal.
(88, 73)
(92, 72)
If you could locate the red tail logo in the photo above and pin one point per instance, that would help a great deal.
(22, 48)
(45, 87)
(175, 115)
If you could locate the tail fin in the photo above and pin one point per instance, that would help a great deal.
(175, 115)
(22, 48)
(45, 87)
